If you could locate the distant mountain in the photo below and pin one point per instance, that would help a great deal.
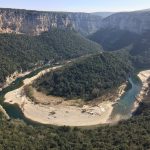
(35, 22)
(137, 45)
(136, 21)
(144, 9)
(114, 39)
(103, 14)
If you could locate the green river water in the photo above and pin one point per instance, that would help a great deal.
(122, 108)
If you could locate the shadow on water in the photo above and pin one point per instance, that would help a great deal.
(15, 113)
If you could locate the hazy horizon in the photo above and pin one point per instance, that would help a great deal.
(74, 11)
(77, 5)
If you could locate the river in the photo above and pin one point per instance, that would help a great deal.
(122, 109)
(13, 110)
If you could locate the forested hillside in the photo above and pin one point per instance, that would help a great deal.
(22, 51)
(88, 78)
(141, 51)
(114, 39)
(137, 45)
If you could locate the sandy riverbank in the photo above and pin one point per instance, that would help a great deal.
(143, 76)
(13, 77)
(60, 112)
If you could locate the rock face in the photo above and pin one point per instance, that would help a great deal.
(138, 21)
(35, 22)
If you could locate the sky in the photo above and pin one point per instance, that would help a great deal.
(77, 5)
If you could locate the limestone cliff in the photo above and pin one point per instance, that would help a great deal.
(35, 22)
(137, 21)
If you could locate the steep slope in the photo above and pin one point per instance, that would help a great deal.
(137, 45)
(22, 51)
(137, 21)
(36, 22)
(114, 39)
(141, 51)
(87, 79)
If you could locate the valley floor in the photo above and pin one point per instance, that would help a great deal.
(58, 111)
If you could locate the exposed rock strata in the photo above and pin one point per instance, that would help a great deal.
(35, 22)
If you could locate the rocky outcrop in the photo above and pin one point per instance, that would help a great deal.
(137, 21)
(35, 22)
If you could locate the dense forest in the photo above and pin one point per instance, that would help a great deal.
(89, 78)
(138, 46)
(22, 51)
(132, 134)
(114, 39)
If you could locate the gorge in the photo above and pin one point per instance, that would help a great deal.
(74, 81)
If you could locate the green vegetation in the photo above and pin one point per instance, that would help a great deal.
(140, 51)
(89, 78)
(23, 52)
(132, 134)
(137, 45)
(114, 39)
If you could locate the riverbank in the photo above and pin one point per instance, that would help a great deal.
(13, 77)
(61, 112)
(4, 112)
(143, 76)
